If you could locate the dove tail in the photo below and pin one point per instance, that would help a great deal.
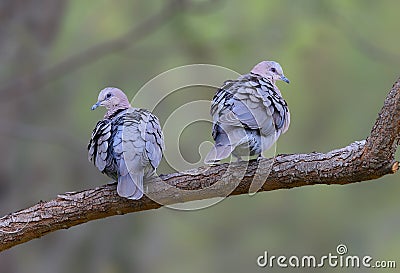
(130, 186)
(217, 153)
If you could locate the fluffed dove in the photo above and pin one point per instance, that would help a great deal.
(127, 144)
(249, 113)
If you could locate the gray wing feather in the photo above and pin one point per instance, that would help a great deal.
(127, 148)
(142, 146)
(154, 141)
(98, 144)
(252, 103)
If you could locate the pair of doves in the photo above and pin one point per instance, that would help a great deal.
(249, 114)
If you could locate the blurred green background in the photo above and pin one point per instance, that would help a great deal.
(342, 58)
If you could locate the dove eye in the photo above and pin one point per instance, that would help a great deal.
(108, 95)
(273, 70)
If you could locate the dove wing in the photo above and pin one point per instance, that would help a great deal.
(138, 149)
(98, 152)
(250, 103)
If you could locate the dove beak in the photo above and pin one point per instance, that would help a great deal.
(96, 105)
(283, 78)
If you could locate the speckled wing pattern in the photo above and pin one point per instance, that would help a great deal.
(128, 147)
(249, 114)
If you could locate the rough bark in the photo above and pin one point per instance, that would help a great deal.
(360, 161)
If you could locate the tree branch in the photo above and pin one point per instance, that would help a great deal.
(359, 161)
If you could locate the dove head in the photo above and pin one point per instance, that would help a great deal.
(112, 99)
(270, 70)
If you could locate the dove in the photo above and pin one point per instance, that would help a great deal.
(127, 144)
(249, 114)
